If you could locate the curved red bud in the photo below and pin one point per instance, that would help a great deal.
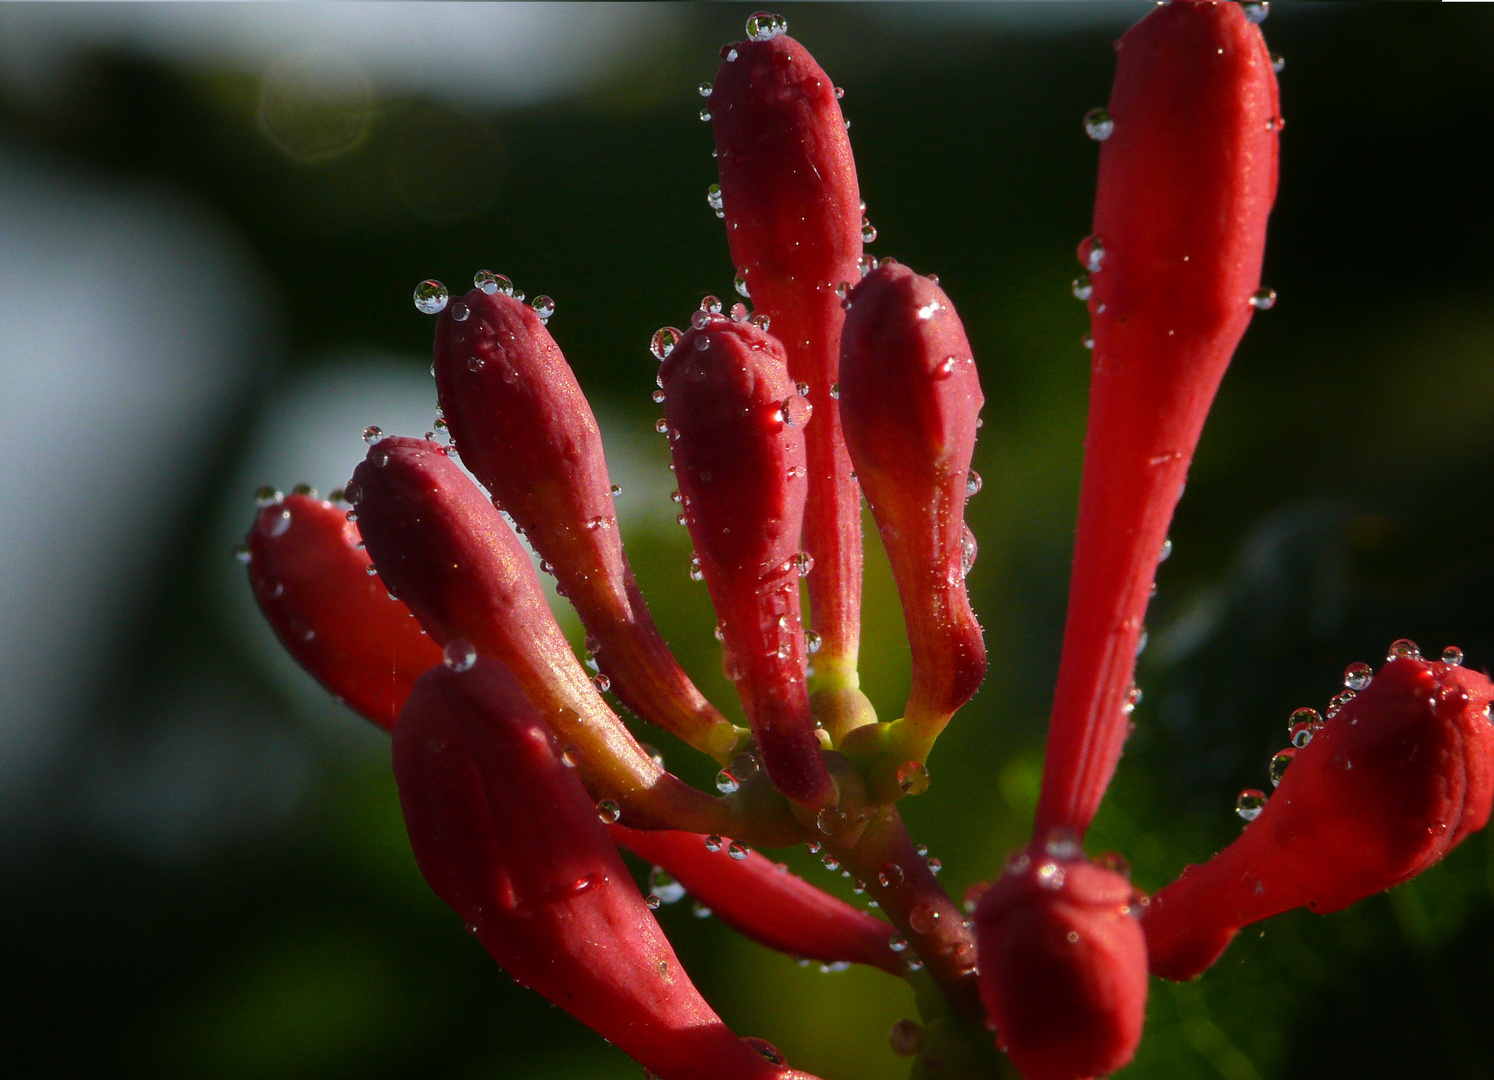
(311, 577)
(505, 833)
(794, 224)
(1187, 177)
(911, 398)
(765, 902)
(1062, 966)
(1387, 787)
(736, 430)
(525, 430)
(444, 549)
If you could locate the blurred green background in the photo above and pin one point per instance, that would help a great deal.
(211, 219)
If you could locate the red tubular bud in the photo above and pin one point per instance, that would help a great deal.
(736, 430)
(793, 219)
(1387, 787)
(505, 833)
(767, 903)
(1062, 965)
(911, 398)
(1186, 182)
(526, 431)
(312, 581)
(444, 549)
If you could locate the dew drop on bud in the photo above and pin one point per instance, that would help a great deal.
(1277, 63)
(737, 850)
(1279, 764)
(543, 306)
(972, 484)
(804, 563)
(276, 522)
(704, 89)
(897, 943)
(1088, 341)
(1094, 257)
(765, 26)
(459, 312)
(1452, 655)
(608, 811)
(868, 232)
(372, 434)
(267, 496)
(661, 425)
(923, 919)
(1098, 124)
(1083, 287)
(968, 551)
(241, 553)
(431, 297)
(705, 115)
(1250, 803)
(740, 284)
(1256, 12)
(713, 843)
(714, 200)
(812, 642)
(1263, 299)
(1166, 552)
(727, 783)
(831, 821)
(913, 777)
(601, 682)
(890, 876)
(653, 901)
(663, 342)
(492, 283)
(1403, 649)
(1358, 675)
(795, 410)
(458, 655)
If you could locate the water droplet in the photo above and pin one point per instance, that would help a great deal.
(1279, 764)
(890, 876)
(1250, 803)
(906, 1038)
(1338, 701)
(241, 553)
(831, 821)
(764, 26)
(1095, 257)
(1083, 287)
(305, 490)
(267, 496)
(739, 312)
(830, 862)
(492, 283)
(431, 297)
(1301, 734)
(913, 777)
(459, 312)
(1256, 12)
(372, 434)
(1452, 655)
(812, 642)
(740, 284)
(663, 342)
(653, 901)
(1166, 552)
(458, 655)
(972, 484)
(761, 321)
(608, 811)
(1098, 124)
(737, 850)
(804, 563)
(795, 410)
(897, 943)
(923, 919)
(713, 199)
(704, 89)
(934, 864)
(713, 843)
(968, 551)
(275, 521)
(543, 306)
(868, 232)
(1358, 675)
(1277, 62)
(729, 53)
(474, 363)
(1403, 649)
(705, 115)
(727, 783)
(601, 682)
(1263, 299)
(1088, 341)
(661, 425)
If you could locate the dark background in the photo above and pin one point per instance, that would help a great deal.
(202, 867)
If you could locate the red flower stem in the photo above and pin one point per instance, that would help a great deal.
(1186, 182)
(793, 218)
(505, 833)
(444, 548)
(1388, 786)
(526, 431)
(310, 575)
(881, 854)
(765, 902)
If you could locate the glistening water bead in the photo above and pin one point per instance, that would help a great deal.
(431, 297)
(1250, 803)
(1098, 124)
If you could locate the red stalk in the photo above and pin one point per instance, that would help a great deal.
(1387, 787)
(737, 436)
(526, 431)
(505, 833)
(1186, 182)
(767, 903)
(310, 576)
(793, 220)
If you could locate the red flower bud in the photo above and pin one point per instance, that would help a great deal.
(765, 902)
(505, 833)
(311, 577)
(525, 430)
(794, 224)
(1387, 787)
(1062, 965)
(736, 430)
(444, 549)
(1187, 177)
(911, 398)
